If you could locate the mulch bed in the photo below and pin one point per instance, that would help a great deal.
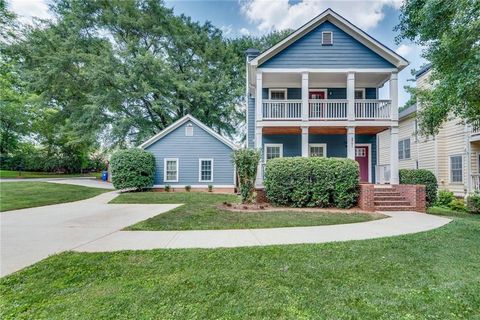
(262, 207)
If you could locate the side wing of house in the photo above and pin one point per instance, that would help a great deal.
(189, 155)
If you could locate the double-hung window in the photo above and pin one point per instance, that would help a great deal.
(170, 173)
(404, 149)
(456, 169)
(359, 94)
(278, 94)
(205, 170)
(273, 150)
(317, 150)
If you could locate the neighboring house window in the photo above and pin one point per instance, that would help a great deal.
(189, 130)
(404, 149)
(327, 38)
(205, 170)
(273, 151)
(317, 150)
(359, 94)
(278, 94)
(170, 170)
(456, 168)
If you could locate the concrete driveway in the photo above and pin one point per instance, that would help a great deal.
(30, 235)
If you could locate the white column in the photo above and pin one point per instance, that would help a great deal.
(258, 145)
(304, 141)
(351, 96)
(394, 95)
(394, 179)
(305, 96)
(351, 143)
(258, 97)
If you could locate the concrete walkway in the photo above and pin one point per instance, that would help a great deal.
(78, 181)
(30, 235)
(398, 223)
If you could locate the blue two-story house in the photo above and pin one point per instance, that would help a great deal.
(316, 93)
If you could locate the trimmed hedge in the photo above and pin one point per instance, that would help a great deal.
(312, 182)
(132, 169)
(473, 203)
(421, 176)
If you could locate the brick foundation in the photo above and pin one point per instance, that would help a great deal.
(416, 194)
(214, 190)
(366, 197)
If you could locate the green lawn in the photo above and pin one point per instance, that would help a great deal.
(201, 212)
(8, 174)
(442, 211)
(19, 195)
(430, 275)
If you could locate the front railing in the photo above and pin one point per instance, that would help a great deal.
(327, 109)
(476, 182)
(372, 109)
(382, 173)
(475, 128)
(282, 109)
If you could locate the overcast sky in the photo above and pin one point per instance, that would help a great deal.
(257, 17)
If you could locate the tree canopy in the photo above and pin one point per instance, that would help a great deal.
(450, 33)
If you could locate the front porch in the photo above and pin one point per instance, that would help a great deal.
(357, 143)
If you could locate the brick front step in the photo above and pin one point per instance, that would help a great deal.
(391, 198)
(386, 193)
(389, 203)
(395, 208)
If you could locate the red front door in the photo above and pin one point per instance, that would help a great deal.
(316, 95)
(361, 156)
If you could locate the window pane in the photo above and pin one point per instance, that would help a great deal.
(400, 150)
(277, 95)
(272, 152)
(316, 151)
(456, 168)
(206, 170)
(406, 148)
(358, 94)
(171, 170)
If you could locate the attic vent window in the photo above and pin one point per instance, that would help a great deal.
(327, 38)
(189, 130)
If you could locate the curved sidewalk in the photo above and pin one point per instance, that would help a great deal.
(397, 223)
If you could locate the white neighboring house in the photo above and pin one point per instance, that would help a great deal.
(453, 155)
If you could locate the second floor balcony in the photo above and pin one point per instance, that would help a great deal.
(326, 109)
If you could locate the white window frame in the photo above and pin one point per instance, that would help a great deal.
(331, 37)
(403, 151)
(165, 169)
(188, 126)
(325, 91)
(266, 145)
(323, 145)
(450, 175)
(277, 89)
(363, 93)
(200, 169)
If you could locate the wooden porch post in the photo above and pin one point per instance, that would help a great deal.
(394, 178)
(258, 97)
(304, 141)
(305, 96)
(351, 143)
(351, 96)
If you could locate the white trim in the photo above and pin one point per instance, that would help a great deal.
(369, 145)
(325, 91)
(200, 169)
(280, 145)
(165, 169)
(194, 186)
(450, 169)
(181, 121)
(344, 25)
(363, 92)
(277, 89)
(327, 70)
(331, 38)
(323, 145)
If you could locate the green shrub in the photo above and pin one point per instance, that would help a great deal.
(421, 176)
(167, 188)
(246, 163)
(210, 188)
(188, 188)
(312, 182)
(473, 202)
(445, 197)
(132, 169)
(457, 205)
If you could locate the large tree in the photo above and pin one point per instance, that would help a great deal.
(450, 33)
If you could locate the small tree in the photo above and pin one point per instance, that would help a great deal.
(246, 162)
(132, 169)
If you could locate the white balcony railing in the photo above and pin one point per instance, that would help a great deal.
(476, 182)
(372, 109)
(475, 128)
(382, 173)
(282, 109)
(327, 109)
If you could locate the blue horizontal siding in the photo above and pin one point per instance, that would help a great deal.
(188, 150)
(251, 123)
(308, 52)
(333, 93)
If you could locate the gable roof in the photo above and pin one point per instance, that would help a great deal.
(180, 122)
(423, 70)
(345, 25)
(408, 111)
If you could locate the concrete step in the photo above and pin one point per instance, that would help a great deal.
(395, 208)
(390, 203)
